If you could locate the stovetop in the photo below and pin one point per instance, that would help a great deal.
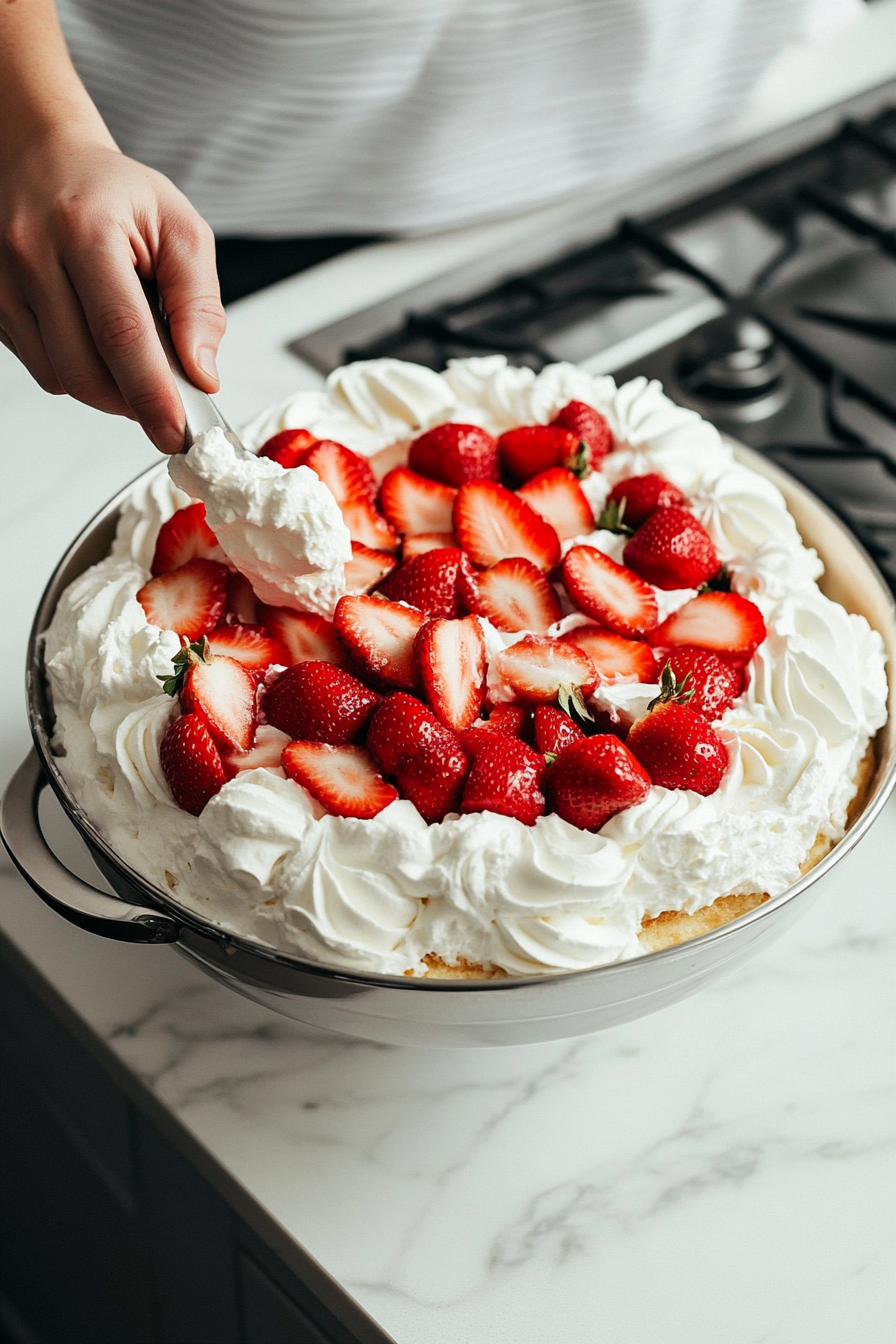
(768, 305)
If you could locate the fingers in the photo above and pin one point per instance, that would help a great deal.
(20, 333)
(188, 281)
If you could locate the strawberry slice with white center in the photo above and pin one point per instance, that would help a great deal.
(185, 536)
(265, 752)
(191, 763)
(309, 638)
(452, 662)
(218, 688)
(413, 503)
(608, 592)
(728, 624)
(492, 523)
(249, 645)
(367, 568)
(537, 668)
(557, 496)
(351, 481)
(514, 595)
(190, 600)
(368, 527)
(421, 542)
(380, 637)
(615, 657)
(344, 780)
(288, 447)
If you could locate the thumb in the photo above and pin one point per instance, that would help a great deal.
(188, 282)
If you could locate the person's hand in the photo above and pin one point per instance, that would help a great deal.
(79, 225)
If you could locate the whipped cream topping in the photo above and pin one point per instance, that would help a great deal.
(264, 860)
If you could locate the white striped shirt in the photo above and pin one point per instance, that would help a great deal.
(302, 117)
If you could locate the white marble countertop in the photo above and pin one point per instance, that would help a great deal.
(720, 1172)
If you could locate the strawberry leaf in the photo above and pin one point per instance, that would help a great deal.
(572, 702)
(719, 583)
(200, 652)
(611, 518)
(671, 690)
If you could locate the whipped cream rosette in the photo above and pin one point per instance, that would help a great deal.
(392, 892)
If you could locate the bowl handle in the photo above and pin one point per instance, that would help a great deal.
(80, 903)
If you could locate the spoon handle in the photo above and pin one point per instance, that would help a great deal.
(200, 411)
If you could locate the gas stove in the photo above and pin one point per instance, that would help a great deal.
(768, 305)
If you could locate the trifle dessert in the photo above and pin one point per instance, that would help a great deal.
(481, 673)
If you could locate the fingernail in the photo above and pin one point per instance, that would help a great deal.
(206, 358)
(167, 439)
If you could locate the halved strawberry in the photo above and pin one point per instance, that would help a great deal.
(367, 568)
(432, 582)
(643, 495)
(505, 777)
(401, 726)
(614, 657)
(590, 428)
(454, 454)
(380, 637)
(608, 592)
(351, 481)
(288, 447)
(451, 658)
(265, 752)
(515, 720)
(433, 780)
(726, 623)
(713, 683)
(318, 702)
(220, 689)
(242, 604)
(307, 636)
(249, 645)
(536, 668)
(554, 730)
(421, 542)
(672, 550)
(593, 779)
(679, 749)
(342, 779)
(412, 503)
(368, 527)
(185, 536)
(191, 763)
(531, 449)
(514, 595)
(492, 524)
(190, 600)
(558, 497)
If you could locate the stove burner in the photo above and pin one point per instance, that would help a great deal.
(733, 360)
(875, 328)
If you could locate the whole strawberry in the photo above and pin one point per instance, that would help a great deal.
(317, 702)
(590, 428)
(715, 684)
(554, 730)
(401, 727)
(455, 454)
(505, 777)
(679, 749)
(432, 582)
(531, 449)
(593, 779)
(433, 780)
(642, 496)
(672, 550)
(191, 763)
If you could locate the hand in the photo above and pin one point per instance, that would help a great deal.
(79, 223)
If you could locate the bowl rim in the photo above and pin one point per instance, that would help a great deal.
(40, 716)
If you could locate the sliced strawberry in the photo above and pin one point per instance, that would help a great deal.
(536, 668)
(608, 592)
(318, 702)
(455, 454)
(185, 536)
(342, 779)
(531, 449)
(505, 777)
(348, 476)
(249, 645)
(413, 504)
(590, 428)
(191, 763)
(593, 779)
(614, 657)
(432, 582)
(401, 726)
(380, 637)
(515, 720)
(307, 636)
(421, 542)
(190, 600)
(492, 524)
(288, 447)
(712, 683)
(728, 624)
(557, 496)
(242, 604)
(368, 527)
(433, 780)
(451, 659)
(223, 692)
(643, 495)
(679, 749)
(265, 752)
(554, 730)
(367, 568)
(514, 595)
(672, 550)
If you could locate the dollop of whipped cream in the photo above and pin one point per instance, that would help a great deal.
(281, 528)
(264, 861)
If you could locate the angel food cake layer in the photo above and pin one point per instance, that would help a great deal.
(626, 700)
